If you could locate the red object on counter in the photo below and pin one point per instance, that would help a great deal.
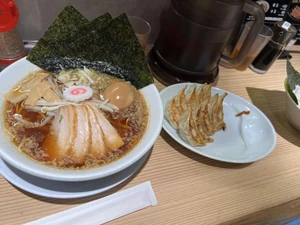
(6, 62)
(11, 44)
(9, 15)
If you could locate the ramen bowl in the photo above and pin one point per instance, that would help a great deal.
(8, 152)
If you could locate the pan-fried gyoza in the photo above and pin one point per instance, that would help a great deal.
(196, 114)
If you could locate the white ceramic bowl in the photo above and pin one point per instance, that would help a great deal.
(292, 110)
(14, 73)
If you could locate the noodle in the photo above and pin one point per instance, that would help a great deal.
(30, 126)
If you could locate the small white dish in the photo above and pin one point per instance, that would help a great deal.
(246, 139)
(16, 72)
(292, 110)
(66, 190)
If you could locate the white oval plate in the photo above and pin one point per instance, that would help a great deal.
(64, 189)
(246, 139)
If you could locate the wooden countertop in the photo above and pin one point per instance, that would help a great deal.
(192, 189)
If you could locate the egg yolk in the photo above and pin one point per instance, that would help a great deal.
(120, 94)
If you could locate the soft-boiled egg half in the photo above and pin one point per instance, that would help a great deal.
(120, 94)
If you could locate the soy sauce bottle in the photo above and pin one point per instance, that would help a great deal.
(283, 33)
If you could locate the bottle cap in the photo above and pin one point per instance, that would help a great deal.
(9, 15)
(283, 32)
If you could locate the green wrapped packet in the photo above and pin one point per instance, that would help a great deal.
(293, 79)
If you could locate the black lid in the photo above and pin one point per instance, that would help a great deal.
(208, 13)
(283, 32)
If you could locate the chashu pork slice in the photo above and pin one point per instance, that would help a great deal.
(78, 131)
(83, 134)
(67, 131)
(98, 148)
(111, 137)
(62, 133)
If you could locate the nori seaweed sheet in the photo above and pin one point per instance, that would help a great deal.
(115, 45)
(113, 49)
(44, 49)
(76, 34)
(67, 21)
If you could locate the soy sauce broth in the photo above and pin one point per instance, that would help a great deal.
(130, 124)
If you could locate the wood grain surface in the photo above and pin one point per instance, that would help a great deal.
(192, 189)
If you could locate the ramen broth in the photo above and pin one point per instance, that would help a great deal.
(38, 142)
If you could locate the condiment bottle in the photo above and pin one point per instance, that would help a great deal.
(11, 45)
(283, 33)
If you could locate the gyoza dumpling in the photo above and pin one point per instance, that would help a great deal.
(210, 108)
(207, 92)
(175, 108)
(172, 113)
(188, 130)
(191, 96)
(219, 113)
(198, 118)
(200, 93)
(208, 128)
(180, 101)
